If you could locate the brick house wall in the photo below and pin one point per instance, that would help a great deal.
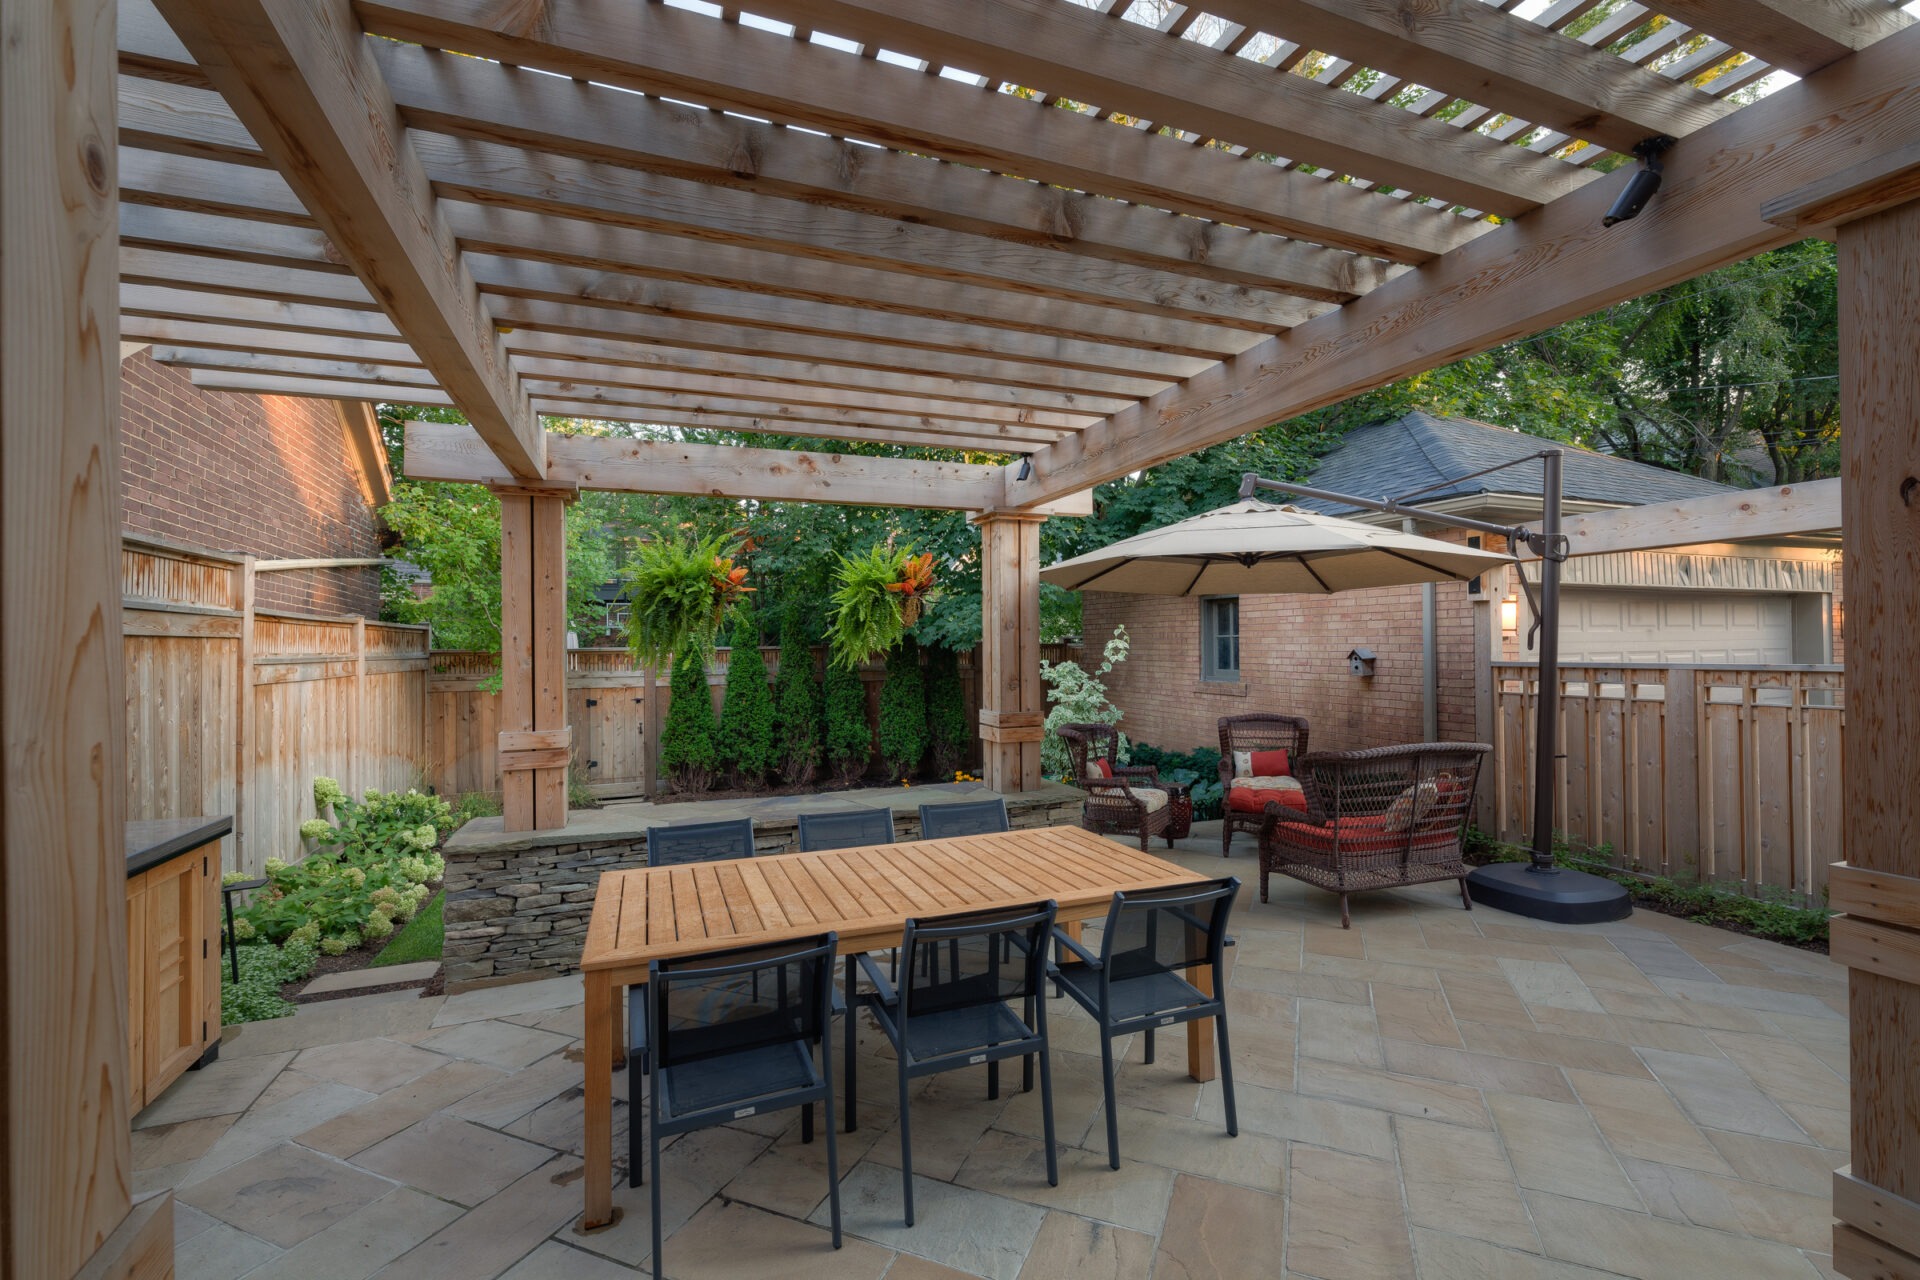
(1293, 659)
(273, 476)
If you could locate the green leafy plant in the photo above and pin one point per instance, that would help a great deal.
(1198, 769)
(1080, 697)
(796, 703)
(849, 740)
(947, 728)
(688, 750)
(880, 595)
(475, 804)
(263, 970)
(746, 715)
(903, 713)
(680, 593)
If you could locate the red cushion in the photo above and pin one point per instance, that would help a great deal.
(1103, 767)
(1362, 835)
(1249, 800)
(1271, 764)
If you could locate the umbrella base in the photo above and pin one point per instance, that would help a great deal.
(1559, 896)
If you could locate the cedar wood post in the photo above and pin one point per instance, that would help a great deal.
(1879, 885)
(1011, 704)
(65, 1202)
(535, 742)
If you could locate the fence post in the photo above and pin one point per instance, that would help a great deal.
(243, 745)
(1682, 772)
(357, 745)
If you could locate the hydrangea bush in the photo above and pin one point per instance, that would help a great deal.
(1080, 697)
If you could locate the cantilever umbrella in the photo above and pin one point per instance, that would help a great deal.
(1256, 548)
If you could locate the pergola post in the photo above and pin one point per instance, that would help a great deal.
(1011, 703)
(65, 1203)
(1878, 1203)
(535, 741)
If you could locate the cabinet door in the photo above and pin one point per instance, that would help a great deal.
(172, 983)
(137, 991)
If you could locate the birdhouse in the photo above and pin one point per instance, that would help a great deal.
(1360, 663)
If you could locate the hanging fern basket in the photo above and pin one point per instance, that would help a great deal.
(680, 594)
(880, 596)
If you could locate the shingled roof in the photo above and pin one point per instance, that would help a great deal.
(1409, 454)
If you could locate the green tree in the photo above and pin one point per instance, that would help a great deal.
(946, 711)
(688, 751)
(849, 740)
(903, 713)
(746, 716)
(796, 701)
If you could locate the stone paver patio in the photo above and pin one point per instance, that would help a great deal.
(1434, 1093)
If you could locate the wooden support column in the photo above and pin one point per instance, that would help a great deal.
(535, 741)
(1012, 705)
(66, 1206)
(1879, 887)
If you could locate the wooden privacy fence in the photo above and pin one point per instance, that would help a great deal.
(614, 725)
(232, 709)
(1727, 773)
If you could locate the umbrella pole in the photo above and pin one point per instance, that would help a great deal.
(1546, 754)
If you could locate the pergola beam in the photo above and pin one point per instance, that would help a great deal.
(1127, 67)
(1543, 269)
(300, 77)
(436, 451)
(1788, 511)
(1801, 36)
(658, 49)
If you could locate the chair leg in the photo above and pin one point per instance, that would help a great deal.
(806, 1123)
(853, 1057)
(1149, 1046)
(1264, 873)
(1346, 919)
(993, 1080)
(1226, 838)
(634, 1122)
(906, 1147)
(833, 1152)
(658, 1272)
(1146, 839)
(1226, 1073)
(1046, 1116)
(1026, 1062)
(1106, 1080)
(1465, 901)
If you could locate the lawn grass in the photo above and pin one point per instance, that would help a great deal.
(419, 939)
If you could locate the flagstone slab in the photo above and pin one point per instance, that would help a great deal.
(1718, 1094)
(223, 1088)
(365, 1240)
(1462, 1182)
(736, 1242)
(269, 1125)
(356, 1130)
(1217, 1231)
(285, 1194)
(222, 1253)
(384, 976)
(453, 1159)
(1649, 1248)
(1555, 1147)
(1073, 1246)
(542, 996)
(694, 1167)
(373, 1065)
(388, 1013)
(498, 1044)
(556, 1261)
(1451, 1257)
(1132, 1196)
(986, 1235)
(1344, 1218)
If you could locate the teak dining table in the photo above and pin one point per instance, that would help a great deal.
(865, 895)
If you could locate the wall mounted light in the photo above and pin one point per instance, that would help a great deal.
(1510, 614)
(1026, 467)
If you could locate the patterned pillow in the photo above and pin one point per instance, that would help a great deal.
(1410, 806)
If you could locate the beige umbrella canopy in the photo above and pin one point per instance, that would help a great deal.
(1254, 548)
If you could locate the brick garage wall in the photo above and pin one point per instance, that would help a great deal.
(267, 475)
(1293, 659)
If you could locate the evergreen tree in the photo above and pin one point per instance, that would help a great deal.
(946, 711)
(687, 749)
(849, 740)
(796, 703)
(903, 713)
(746, 716)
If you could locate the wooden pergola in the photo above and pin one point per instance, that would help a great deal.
(1087, 236)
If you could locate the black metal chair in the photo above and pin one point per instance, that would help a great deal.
(966, 818)
(960, 1015)
(846, 830)
(721, 1050)
(1137, 982)
(699, 842)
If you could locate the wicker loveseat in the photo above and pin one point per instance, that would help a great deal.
(1245, 735)
(1124, 799)
(1377, 819)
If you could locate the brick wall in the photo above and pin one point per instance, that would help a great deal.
(269, 475)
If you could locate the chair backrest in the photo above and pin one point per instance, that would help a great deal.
(743, 998)
(847, 830)
(699, 842)
(1422, 789)
(1086, 743)
(1261, 731)
(967, 818)
(962, 961)
(1153, 931)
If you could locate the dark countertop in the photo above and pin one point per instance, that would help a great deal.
(153, 841)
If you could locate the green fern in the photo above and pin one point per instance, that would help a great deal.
(870, 611)
(680, 594)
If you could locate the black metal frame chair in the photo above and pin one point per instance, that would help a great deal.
(669, 846)
(964, 818)
(845, 829)
(722, 1051)
(939, 1021)
(1136, 984)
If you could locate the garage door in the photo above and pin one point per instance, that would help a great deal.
(1606, 624)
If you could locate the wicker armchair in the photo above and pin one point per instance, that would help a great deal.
(1260, 731)
(1129, 802)
(1379, 819)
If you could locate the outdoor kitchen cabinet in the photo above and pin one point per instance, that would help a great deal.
(173, 949)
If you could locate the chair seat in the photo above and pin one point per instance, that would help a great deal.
(1364, 835)
(736, 1079)
(1152, 797)
(935, 1035)
(1138, 997)
(637, 1017)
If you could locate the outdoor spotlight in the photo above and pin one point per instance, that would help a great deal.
(1645, 180)
(1026, 467)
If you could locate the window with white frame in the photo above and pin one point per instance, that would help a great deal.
(1220, 638)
